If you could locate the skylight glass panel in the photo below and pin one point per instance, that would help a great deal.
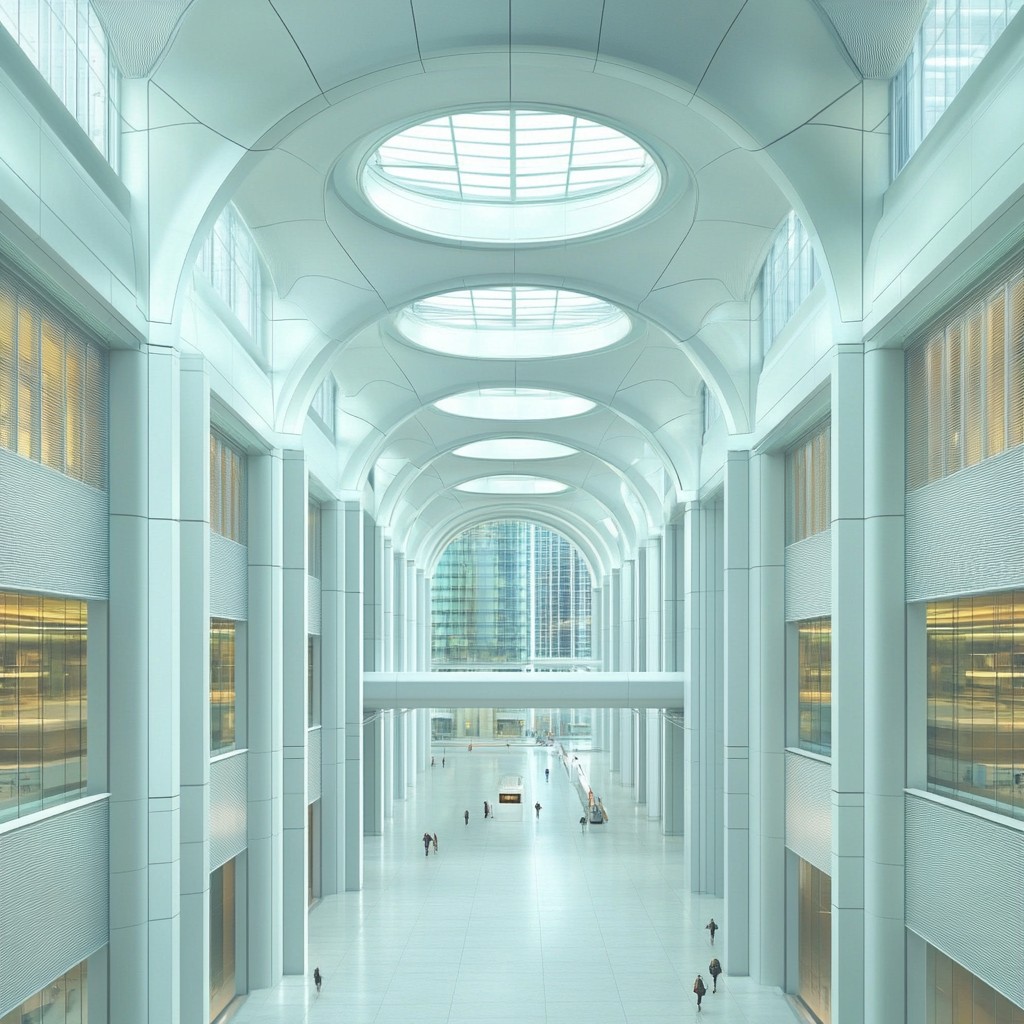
(514, 404)
(494, 162)
(514, 448)
(511, 484)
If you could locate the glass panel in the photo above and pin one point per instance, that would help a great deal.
(223, 982)
(814, 685)
(222, 685)
(814, 925)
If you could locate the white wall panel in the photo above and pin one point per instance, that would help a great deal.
(229, 578)
(964, 531)
(965, 888)
(55, 532)
(809, 577)
(809, 809)
(228, 807)
(54, 895)
(313, 765)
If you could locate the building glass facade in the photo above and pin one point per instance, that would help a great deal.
(63, 1001)
(976, 700)
(223, 981)
(815, 941)
(222, 685)
(814, 684)
(43, 733)
(955, 996)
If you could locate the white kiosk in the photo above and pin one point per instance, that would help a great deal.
(510, 798)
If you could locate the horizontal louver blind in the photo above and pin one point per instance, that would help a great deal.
(809, 485)
(227, 490)
(53, 388)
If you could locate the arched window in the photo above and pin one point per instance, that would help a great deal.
(510, 592)
(788, 275)
(66, 42)
(229, 262)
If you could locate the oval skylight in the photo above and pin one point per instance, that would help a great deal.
(506, 176)
(513, 322)
(514, 448)
(514, 404)
(511, 484)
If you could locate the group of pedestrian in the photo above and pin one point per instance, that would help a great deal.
(714, 969)
(428, 841)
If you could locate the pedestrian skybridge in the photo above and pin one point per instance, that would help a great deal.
(523, 689)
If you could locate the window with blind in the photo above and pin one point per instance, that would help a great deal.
(229, 262)
(965, 383)
(789, 274)
(809, 485)
(53, 388)
(227, 490)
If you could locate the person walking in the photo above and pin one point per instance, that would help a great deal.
(318, 979)
(426, 844)
(547, 774)
(435, 842)
(536, 808)
(583, 823)
(431, 762)
(443, 761)
(712, 927)
(466, 816)
(487, 809)
(714, 969)
(699, 990)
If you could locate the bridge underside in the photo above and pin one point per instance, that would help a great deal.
(523, 689)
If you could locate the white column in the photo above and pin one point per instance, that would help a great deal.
(768, 720)
(352, 674)
(640, 596)
(332, 698)
(654, 601)
(264, 719)
(673, 798)
(388, 601)
(627, 746)
(640, 756)
(848, 735)
(388, 780)
(372, 634)
(295, 651)
(398, 602)
(422, 626)
(736, 601)
(614, 744)
(195, 689)
(884, 681)
(145, 713)
(627, 637)
(400, 752)
(672, 581)
(652, 728)
(373, 774)
(607, 654)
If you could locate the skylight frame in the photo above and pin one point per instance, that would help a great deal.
(514, 449)
(512, 484)
(493, 404)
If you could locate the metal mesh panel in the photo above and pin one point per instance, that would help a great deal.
(53, 388)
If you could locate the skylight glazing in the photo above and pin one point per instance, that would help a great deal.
(512, 484)
(513, 322)
(511, 175)
(514, 404)
(514, 448)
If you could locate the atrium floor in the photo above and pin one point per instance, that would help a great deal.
(530, 921)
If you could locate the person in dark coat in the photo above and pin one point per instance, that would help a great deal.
(699, 990)
(712, 927)
(427, 840)
(466, 816)
(714, 969)
(536, 808)
(318, 978)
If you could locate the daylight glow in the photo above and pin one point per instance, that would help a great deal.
(514, 404)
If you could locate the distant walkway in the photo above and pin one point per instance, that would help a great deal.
(496, 926)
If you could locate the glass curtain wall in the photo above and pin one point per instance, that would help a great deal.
(223, 982)
(43, 734)
(63, 1001)
(222, 685)
(814, 684)
(53, 388)
(976, 700)
(955, 996)
(815, 941)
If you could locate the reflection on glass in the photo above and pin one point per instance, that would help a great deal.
(42, 702)
(815, 941)
(814, 679)
(976, 699)
(955, 996)
(223, 984)
(63, 1001)
(222, 685)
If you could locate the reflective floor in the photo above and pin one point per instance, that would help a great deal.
(515, 919)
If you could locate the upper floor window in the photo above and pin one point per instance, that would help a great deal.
(324, 404)
(66, 42)
(965, 384)
(809, 485)
(229, 261)
(711, 411)
(53, 388)
(788, 275)
(227, 490)
(313, 528)
(953, 38)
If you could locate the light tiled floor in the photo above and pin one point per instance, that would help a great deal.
(515, 920)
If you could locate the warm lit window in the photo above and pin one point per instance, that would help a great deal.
(229, 262)
(227, 490)
(43, 728)
(789, 274)
(222, 685)
(809, 485)
(976, 700)
(965, 384)
(66, 42)
(953, 38)
(53, 388)
(814, 683)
